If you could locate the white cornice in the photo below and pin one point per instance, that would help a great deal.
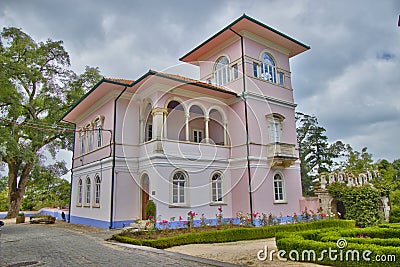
(271, 100)
(265, 42)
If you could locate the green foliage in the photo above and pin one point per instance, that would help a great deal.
(150, 209)
(394, 216)
(37, 88)
(231, 235)
(3, 200)
(45, 188)
(316, 155)
(359, 162)
(378, 240)
(361, 203)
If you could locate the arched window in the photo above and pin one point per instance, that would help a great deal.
(80, 192)
(89, 134)
(87, 191)
(99, 132)
(82, 141)
(178, 188)
(221, 71)
(97, 187)
(216, 187)
(268, 68)
(279, 188)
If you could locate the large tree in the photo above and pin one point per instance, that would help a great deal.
(316, 154)
(37, 87)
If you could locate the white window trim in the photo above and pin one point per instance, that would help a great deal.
(284, 200)
(98, 122)
(89, 136)
(85, 202)
(275, 118)
(79, 195)
(185, 203)
(222, 201)
(228, 71)
(147, 137)
(95, 191)
(82, 142)
(202, 135)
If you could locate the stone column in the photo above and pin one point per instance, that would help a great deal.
(165, 125)
(141, 132)
(158, 116)
(206, 120)
(225, 133)
(187, 116)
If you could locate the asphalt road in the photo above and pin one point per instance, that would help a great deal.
(41, 245)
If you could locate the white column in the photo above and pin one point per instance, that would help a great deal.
(206, 120)
(165, 125)
(158, 115)
(187, 116)
(225, 133)
(141, 132)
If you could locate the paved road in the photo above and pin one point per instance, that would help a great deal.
(40, 245)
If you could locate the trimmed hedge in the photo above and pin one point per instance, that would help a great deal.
(231, 235)
(380, 241)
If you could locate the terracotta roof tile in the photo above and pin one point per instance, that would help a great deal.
(119, 80)
(190, 80)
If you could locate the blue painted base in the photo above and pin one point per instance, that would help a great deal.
(100, 223)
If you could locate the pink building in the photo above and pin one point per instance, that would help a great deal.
(192, 144)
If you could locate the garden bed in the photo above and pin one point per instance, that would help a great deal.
(369, 246)
(169, 238)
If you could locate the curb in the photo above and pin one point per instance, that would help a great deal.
(175, 255)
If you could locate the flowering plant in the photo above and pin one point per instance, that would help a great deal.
(219, 217)
(190, 222)
(164, 224)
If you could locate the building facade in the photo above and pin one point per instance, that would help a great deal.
(227, 139)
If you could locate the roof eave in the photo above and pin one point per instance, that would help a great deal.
(244, 16)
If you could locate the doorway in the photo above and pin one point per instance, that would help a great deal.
(145, 185)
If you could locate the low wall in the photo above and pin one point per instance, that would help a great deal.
(45, 211)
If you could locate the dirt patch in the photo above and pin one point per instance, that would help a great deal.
(241, 252)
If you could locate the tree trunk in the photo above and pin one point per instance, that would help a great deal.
(16, 189)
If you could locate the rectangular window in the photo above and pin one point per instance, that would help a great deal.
(235, 71)
(275, 131)
(278, 190)
(197, 136)
(149, 132)
(255, 69)
(216, 191)
(281, 79)
(178, 192)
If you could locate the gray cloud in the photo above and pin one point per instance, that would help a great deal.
(349, 79)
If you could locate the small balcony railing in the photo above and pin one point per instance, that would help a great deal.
(281, 154)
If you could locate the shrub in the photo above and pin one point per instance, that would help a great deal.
(150, 209)
(394, 216)
(360, 202)
(378, 240)
(231, 235)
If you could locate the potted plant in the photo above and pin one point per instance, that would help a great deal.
(20, 218)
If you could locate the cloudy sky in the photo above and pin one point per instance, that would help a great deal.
(350, 79)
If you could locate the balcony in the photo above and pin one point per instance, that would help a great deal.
(281, 154)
